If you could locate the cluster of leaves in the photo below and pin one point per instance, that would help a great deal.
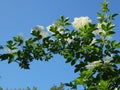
(25, 51)
(97, 63)
(61, 87)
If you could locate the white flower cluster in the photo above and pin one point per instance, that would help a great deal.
(41, 29)
(8, 50)
(81, 22)
(116, 89)
(99, 29)
(93, 64)
(93, 41)
(100, 32)
(108, 59)
(37, 28)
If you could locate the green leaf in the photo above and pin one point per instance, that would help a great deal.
(11, 59)
(67, 19)
(110, 32)
(79, 81)
(111, 27)
(73, 62)
(104, 6)
(68, 60)
(4, 56)
(104, 27)
(113, 43)
(18, 39)
(67, 24)
(62, 18)
(1, 47)
(117, 45)
(72, 85)
(24, 65)
(10, 42)
(104, 85)
(114, 15)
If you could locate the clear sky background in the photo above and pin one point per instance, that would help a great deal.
(19, 16)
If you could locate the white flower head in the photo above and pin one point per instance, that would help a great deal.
(96, 62)
(99, 29)
(116, 89)
(37, 28)
(93, 64)
(98, 32)
(41, 29)
(107, 62)
(93, 41)
(98, 18)
(60, 29)
(99, 25)
(89, 66)
(8, 50)
(44, 34)
(48, 28)
(81, 22)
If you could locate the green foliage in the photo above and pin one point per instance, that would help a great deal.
(61, 87)
(1, 88)
(90, 50)
(104, 6)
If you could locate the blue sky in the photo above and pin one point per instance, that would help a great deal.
(19, 16)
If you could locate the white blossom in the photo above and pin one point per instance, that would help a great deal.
(116, 89)
(37, 28)
(41, 29)
(89, 66)
(44, 34)
(48, 28)
(81, 22)
(107, 62)
(99, 25)
(93, 41)
(96, 62)
(8, 50)
(108, 59)
(100, 30)
(98, 18)
(93, 64)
